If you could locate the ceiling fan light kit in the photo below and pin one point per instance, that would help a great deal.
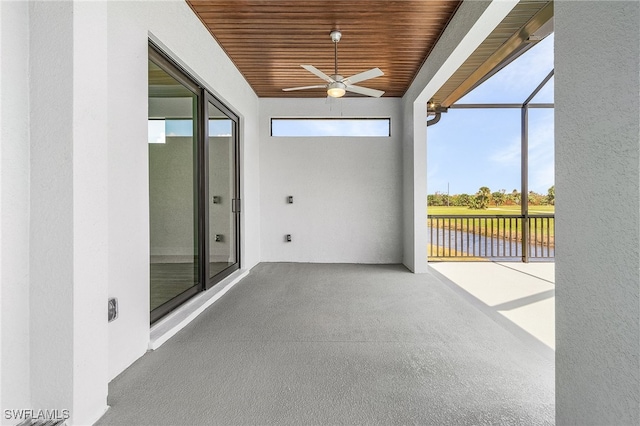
(337, 85)
(336, 89)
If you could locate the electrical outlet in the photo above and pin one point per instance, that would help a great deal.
(287, 238)
(219, 238)
(113, 309)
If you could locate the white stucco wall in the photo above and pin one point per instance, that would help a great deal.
(74, 191)
(90, 211)
(597, 146)
(14, 207)
(347, 191)
(130, 26)
(51, 119)
(68, 208)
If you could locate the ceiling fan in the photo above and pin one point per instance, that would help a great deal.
(337, 85)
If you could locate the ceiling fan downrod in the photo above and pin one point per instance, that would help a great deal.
(335, 37)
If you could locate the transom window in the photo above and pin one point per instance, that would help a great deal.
(331, 127)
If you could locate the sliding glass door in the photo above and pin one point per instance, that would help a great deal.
(222, 188)
(193, 187)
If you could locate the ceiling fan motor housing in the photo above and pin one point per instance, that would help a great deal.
(337, 89)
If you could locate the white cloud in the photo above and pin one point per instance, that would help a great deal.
(541, 178)
(541, 152)
(509, 156)
(156, 131)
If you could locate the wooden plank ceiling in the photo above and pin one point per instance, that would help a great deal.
(269, 40)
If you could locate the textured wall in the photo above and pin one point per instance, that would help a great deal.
(14, 206)
(68, 208)
(347, 191)
(131, 24)
(597, 213)
(51, 184)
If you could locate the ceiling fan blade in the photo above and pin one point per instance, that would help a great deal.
(317, 72)
(366, 75)
(322, 86)
(365, 91)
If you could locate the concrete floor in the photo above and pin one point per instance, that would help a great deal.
(523, 293)
(339, 344)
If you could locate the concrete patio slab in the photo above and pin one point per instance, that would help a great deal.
(331, 344)
(522, 293)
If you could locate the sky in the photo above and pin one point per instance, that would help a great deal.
(330, 127)
(159, 129)
(471, 148)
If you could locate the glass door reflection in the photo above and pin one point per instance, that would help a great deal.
(173, 200)
(222, 190)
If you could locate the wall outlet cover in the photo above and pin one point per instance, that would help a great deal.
(113, 309)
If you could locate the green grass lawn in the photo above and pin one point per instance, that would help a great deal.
(502, 210)
(543, 231)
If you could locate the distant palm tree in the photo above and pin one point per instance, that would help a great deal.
(482, 198)
(516, 196)
(551, 195)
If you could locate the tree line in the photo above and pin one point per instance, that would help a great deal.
(484, 198)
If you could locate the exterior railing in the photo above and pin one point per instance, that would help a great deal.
(491, 236)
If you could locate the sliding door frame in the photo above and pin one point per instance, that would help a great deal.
(235, 191)
(201, 180)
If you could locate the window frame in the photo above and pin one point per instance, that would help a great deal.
(387, 119)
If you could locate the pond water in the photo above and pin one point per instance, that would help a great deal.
(460, 244)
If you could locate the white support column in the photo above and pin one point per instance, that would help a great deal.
(90, 211)
(472, 23)
(420, 187)
(51, 214)
(68, 220)
(597, 144)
